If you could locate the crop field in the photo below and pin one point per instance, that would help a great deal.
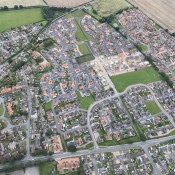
(15, 18)
(161, 11)
(105, 8)
(24, 3)
(144, 76)
(66, 3)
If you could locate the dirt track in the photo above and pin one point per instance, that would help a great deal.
(66, 3)
(161, 11)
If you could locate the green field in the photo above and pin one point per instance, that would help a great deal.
(80, 34)
(16, 18)
(47, 106)
(157, 26)
(85, 101)
(152, 107)
(48, 168)
(142, 48)
(121, 142)
(106, 8)
(144, 76)
(84, 49)
(78, 13)
(1, 109)
(84, 58)
(90, 12)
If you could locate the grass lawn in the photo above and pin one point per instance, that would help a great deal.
(157, 26)
(6, 114)
(171, 133)
(84, 49)
(90, 12)
(44, 23)
(1, 109)
(16, 18)
(69, 15)
(84, 58)
(47, 168)
(139, 131)
(105, 8)
(152, 107)
(85, 101)
(120, 142)
(143, 48)
(144, 76)
(47, 106)
(88, 146)
(80, 34)
(78, 13)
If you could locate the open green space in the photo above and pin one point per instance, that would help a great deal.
(78, 13)
(91, 12)
(152, 107)
(80, 34)
(84, 49)
(171, 133)
(1, 109)
(47, 106)
(144, 76)
(157, 26)
(85, 101)
(48, 168)
(84, 58)
(142, 48)
(106, 8)
(69, 15)
(88, 146)
(120, 142)
(139, 131)
(16, 18)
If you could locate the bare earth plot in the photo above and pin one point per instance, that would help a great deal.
(161, 11)
(25, 3)
(66, 3)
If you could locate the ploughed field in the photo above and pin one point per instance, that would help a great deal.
(161, 11)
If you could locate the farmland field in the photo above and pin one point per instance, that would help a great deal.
(144, 76)
(24, 3)
(66, 3)
(161, 11)
(15, 18)
(107, 7)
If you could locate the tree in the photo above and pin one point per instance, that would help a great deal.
(72, 148)
(15, 7)
(20, 6)
(39, 60)
(49, 132)
(6, 8)
(94, 11)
